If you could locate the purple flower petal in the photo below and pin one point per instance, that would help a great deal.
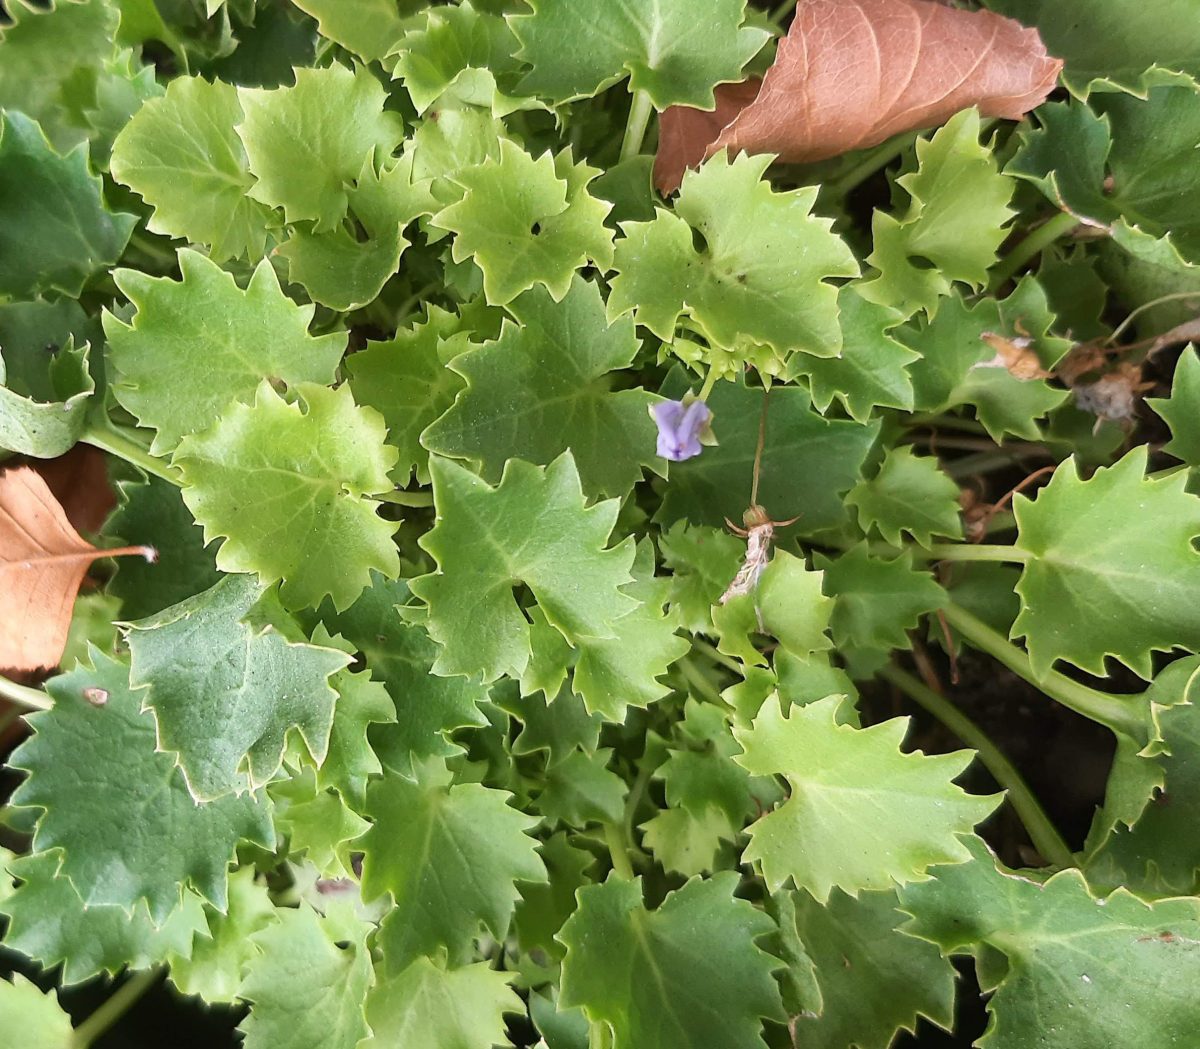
(679, 428)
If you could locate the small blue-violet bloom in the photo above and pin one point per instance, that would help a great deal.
(680, 426)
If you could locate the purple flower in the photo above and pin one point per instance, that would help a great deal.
(680, 426)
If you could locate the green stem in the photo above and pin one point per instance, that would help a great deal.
(24, 696)
(1033, 244)
(1042, 832)
(975, 552)
(635, 130)
(717, 656)
(402, 498)
(781, 12)
(616, 848)
(710, 380)
(1112, 711)
(696, 678)
(99, 435)
(113, 1009)
(876, 159)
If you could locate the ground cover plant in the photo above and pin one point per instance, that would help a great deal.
(604, 525)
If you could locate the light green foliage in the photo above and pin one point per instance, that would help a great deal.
(225, 694)
(307, 141)
(43, 409)
(369, 28)
(957, 211)
(1127, 43)
(703, 561)
(307, 988)
(557, 725)
(288, 489)
(1088, 969)
(317, 823)
(406, 380)
(49, 923)
(532, 527)
(43, 1023)
(544, 387)
(545, 905)
(428, 844)
(1112, 569)
(55, 233)
(759, 277)
(808, 462)
(653, 977)
(197, 345)
(664, 48)
(1181, 410)
(582, 790)
(120, 811)
(429, 1006)
(874, 980)
(181, 155)
(911, 494)
(350, 760)
(840, 828)
(527, 222)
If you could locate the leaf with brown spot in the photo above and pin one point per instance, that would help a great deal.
(42, 563)
(852, 73)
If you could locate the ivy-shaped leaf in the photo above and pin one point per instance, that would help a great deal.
(369, 28)
(43, 1023)
(911, 494)
(1181, 411)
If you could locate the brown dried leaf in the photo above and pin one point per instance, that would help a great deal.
(684, 133)
(42, 563)
(79, 481)
(852, 73)
(1015, 354)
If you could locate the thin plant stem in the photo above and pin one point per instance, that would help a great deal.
(1115, 713)
(114, 1008)
(879, 157)
(975, 552)
(99, 435)
(615, 841)
(23, 696)
(1033, 245)
(1042, 832)
(1134, 314)
(710, 380)
(717, 656)
(781, 12)
(694, 677)
(635, 130)
(758, 448)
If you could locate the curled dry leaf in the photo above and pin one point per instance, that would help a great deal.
(79, 481)
(852, 73)
(1016, 353)
(42, 563)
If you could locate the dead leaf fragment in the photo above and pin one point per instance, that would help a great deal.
(852, 73)
(79, 481)
(42, 563)
(1015, 354)
(684, 133)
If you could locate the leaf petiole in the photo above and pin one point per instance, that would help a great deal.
(975, 552)
(635, 130)
(114, 1008)
(615, 841)
(24, 696)
(100, 435)
(1042, 832)
(1033, 245)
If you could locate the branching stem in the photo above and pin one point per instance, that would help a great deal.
(1034, 244)
(615, 841)
(1042, 832)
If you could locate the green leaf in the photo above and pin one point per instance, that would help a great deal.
(181, 155)
(702, 562)
(43, 1023)
(528, 222)
(582, 790)
(955, 220)
(369, 28)
(55, 232)
(318, 824)
(614, 673)
(876, 600)
(225, 695)
(50, 924)
(808, 462)
(545, 905)
(307, 141)
(1181, 411)
(653, 977)
(44, 51)
(462, 55)
(1081, 967)
(350, 761)
(666, 49)
(344, 271)
(154, 514)
(874, 980)
(199, 344)
(873, 367)
(427, 846)
(557, 724)
(43, 410)
(532, 527)
(543, 387)
(406, 380)
(1127, 158)
(909, 494)
(862, 813)
(759, 276)
(120, 810)
(288, 490)
(433, 1007)
(217, 962)
(1128, 44)
(1112, 569)
(307, 988)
